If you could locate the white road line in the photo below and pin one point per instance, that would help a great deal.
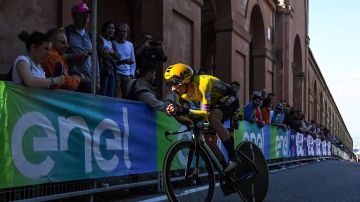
(294, 166)
(284, 168)
(186, 192)
(273, 171)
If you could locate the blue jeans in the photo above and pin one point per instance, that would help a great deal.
(107, 85)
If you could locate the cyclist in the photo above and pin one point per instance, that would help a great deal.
(217, 99)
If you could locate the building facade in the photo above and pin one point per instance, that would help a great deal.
(263, 44)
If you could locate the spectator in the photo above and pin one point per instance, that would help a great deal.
(311, 128)
(326, 133)
(320, 133)
(236, 86)
(107, 59)
(150, 52)
(277, 116)
(126, 69)
(289, 116)
(142, 89)
(283, 102)
(80, 47)
(56, 64)
(299, 122)
(28, 69)
(252, 112)
(263, 93)
(266, 107)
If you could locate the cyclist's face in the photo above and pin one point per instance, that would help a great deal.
(179, 89)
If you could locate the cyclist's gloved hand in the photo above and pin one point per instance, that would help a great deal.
(172, 110)
(175, 110)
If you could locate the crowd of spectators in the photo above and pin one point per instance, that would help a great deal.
(61, 58)
(262, 111)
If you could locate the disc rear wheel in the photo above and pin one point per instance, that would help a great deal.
(254, 180)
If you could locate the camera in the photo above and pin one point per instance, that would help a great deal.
(155, 43)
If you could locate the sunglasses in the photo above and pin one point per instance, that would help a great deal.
(60, 41)
(174, 82)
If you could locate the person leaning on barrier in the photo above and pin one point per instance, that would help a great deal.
(142, 89)
(218, 102)
(266, 107)
(78, 55)
(56, 65)
(277, 117)
(252, 112)
(28, 69)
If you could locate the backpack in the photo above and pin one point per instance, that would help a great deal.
(134, 94)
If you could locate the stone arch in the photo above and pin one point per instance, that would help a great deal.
(298, 75)
(257, 70)
(321, 102)
(208, 36)
(315, 101)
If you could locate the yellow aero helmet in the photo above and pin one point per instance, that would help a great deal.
(178, 74)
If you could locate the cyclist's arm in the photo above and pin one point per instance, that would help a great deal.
(205, 89)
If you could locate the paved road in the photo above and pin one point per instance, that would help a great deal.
(327, 181)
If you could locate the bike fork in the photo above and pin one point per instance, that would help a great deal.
(193, 174)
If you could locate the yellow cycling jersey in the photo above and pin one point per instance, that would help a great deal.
(208, 91)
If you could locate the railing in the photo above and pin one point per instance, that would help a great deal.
(70, 120)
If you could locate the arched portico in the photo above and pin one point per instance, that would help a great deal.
(298, 75)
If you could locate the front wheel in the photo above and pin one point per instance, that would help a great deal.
(256, 186)
(183, 180)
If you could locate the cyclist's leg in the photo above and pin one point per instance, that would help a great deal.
(215, 120)
(211, 140)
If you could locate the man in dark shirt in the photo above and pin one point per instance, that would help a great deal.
(79, 52)
(150, 52)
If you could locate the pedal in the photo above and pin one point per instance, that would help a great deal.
(226, 188)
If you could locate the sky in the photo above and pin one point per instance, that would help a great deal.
(334, 31)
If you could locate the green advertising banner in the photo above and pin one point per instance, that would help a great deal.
(55, 136)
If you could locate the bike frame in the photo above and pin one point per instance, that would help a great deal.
(236, 179)
(199, 142)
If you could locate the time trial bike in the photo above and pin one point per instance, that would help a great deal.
(189, 174)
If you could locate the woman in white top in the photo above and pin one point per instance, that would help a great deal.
(27, 69)
(107, 59)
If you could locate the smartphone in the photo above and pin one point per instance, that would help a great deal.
(58, 69)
